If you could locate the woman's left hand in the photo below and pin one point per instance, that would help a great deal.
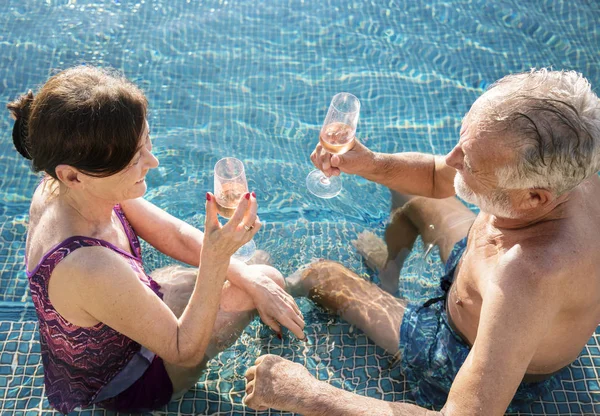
(275, 306)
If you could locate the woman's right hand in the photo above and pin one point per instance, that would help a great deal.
(224, 240)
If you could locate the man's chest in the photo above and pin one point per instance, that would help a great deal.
(476, 267)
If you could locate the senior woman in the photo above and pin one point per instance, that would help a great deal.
(110, 334)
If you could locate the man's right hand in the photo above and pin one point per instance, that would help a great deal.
(357, 161)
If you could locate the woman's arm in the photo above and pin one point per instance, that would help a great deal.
(172, 236)
(168, 234)
(175, 238)
(104, 286)
(183, 242)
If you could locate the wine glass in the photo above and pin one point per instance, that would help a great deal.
(230, 187)
(337, 137)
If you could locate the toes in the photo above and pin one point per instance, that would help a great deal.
(372, 248)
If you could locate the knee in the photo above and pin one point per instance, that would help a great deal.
(323, 269)
(313, 275)
(273, 274)
(415, 206)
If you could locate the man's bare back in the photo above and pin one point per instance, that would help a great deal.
(564, 248)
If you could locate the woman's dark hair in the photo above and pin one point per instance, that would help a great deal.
(85, 117)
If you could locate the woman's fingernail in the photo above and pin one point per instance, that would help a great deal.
(207, 196)
(279, 335)
(247, 196)
(254, 194)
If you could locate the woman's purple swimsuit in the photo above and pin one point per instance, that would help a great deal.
(97, 364)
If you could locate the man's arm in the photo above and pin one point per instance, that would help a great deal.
(520, 302)
(408, 173)
(413, 174)
(332, 401)
(274, 382)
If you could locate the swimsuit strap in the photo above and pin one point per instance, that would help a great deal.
(134, 242)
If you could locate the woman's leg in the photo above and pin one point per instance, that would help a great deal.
(236, 310)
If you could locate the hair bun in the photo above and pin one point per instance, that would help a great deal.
(20, 137)
(20, 110)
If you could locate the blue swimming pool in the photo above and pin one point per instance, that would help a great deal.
(253, 80)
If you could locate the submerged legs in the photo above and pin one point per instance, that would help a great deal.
(236, 310)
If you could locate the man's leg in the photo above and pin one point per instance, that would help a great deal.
(359, 302)
(441, 222)
(236, 310)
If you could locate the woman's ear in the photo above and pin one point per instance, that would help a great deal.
(68, 175)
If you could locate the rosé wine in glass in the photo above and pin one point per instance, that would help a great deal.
(230, 186)
(337, 137)
(229, 198)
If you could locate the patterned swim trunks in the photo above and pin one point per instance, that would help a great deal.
(432, 352)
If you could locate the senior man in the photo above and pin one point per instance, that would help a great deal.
(521, 293)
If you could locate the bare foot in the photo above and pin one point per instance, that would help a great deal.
(372, 248)
(296, 284)
(389, 276)
(375, 252)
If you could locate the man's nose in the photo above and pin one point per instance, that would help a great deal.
(455, 158)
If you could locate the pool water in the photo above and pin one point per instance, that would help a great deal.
(253, 80)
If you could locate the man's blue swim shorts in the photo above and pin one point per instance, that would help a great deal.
(432, 352)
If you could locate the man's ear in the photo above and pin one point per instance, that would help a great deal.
(68, 175)
(536, 197)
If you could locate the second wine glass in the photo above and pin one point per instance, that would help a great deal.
(337, 137)
(230, 187)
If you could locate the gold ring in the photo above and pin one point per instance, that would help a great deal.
(248, 228)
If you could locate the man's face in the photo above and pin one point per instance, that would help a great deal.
(476, 159)
(496, 202)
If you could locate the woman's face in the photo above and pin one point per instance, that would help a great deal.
(129, 183)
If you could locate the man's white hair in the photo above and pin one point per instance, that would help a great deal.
(552, 120)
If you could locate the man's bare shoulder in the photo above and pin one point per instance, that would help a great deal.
(539, 259)
(551, 266)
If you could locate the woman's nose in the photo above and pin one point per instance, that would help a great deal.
(153, 162)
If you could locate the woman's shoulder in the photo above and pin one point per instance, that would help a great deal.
(81, 277)
(91, 258)
(50, 228)
(43, 199)
(43, 231)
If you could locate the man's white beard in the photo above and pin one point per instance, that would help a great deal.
(497, 203)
